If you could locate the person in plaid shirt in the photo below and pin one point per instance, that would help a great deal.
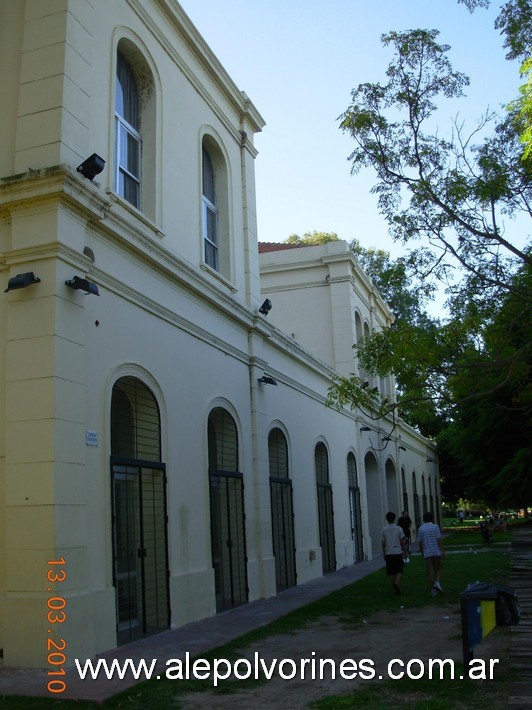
(430, 546)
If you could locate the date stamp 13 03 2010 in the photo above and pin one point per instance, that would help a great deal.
(56, 614)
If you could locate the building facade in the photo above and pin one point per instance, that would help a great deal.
(151, 472)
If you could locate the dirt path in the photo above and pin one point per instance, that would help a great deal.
(427, 633)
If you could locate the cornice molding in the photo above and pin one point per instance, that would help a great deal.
(206, 58)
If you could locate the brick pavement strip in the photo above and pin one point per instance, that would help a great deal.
(520, 693)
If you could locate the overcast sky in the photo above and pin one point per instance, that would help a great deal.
(298, 61)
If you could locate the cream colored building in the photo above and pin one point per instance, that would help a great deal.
(148, 474)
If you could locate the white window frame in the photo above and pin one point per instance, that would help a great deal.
(210, 241)
(211, 253)
(121, 158)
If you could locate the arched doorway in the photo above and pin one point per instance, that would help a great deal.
(282, 511)
(228, 537)
(355, 510)
(140, 544)
(325, 509)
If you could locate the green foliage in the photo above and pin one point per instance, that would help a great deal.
(521, 111)
(492, 427)
(515, 23)
(397, 281)
(312, 238)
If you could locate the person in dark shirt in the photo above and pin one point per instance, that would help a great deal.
(406, 523)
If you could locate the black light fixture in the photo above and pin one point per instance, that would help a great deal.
(91, 167)
(365, 428)
(21, 281)
(429, 460)
(402, 448)
(267, 380)
(386, 438)
(266, 307)
(77, 283)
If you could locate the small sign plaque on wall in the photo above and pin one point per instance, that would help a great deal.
(91, 438)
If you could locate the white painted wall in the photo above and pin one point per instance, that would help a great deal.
(193, 338)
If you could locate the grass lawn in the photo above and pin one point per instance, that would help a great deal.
(351, 605)
(473, 538)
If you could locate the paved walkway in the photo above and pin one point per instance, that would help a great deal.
(195, 638)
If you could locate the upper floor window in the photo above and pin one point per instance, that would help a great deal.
(127, 137)
(210, 214)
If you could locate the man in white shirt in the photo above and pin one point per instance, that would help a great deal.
(394, 551)
(430, 546)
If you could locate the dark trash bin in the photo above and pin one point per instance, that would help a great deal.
(484, 606)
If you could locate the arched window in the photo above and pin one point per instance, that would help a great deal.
(282, 511)
(226, 484)
(325, 508)
(136, 145)
(215, 208)
(355, 511)
(135, 421)
(138, 484)
(128, 138)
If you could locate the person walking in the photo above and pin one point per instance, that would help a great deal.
(430, 545)
(405, 522)
(394, 551)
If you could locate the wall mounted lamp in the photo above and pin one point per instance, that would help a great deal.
(267, 380)
(79, 284)
(91, 167)
(21, 281)
(365, 428)
(266, 307)
(429, 460)
(386, 438)
(402, 448)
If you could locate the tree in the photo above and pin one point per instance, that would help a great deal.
(451, 193)
(490, 432)
(457, 192)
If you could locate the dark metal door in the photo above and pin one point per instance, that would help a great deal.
(356, 523)
(140, 549)
(326, 525)
(228, 540)
(283, 532)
